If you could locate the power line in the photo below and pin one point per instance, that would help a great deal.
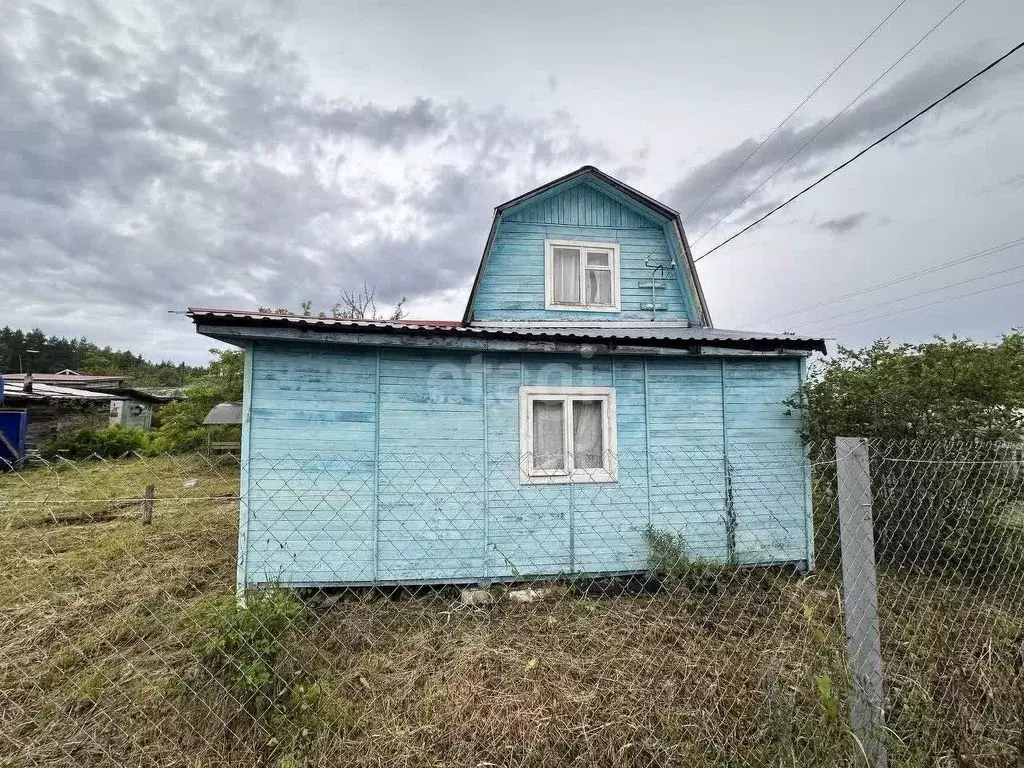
(866, 149)
(795, 109)
(930, 304)
(916, 294)
(827, 125)
(920, 273)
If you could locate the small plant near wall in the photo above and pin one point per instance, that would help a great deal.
(667, 557)
(252, 660)
(245, 648)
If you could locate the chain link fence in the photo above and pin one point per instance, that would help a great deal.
(418, 616)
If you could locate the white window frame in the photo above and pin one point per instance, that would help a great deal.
(549, 272)
(609, 472)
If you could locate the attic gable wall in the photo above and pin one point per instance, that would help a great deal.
(582, 205)
(512, 283)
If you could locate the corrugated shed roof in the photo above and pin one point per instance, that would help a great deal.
(65, 378)
(659, 335)
(13, 390)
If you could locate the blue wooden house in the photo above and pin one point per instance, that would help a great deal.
(584, 401)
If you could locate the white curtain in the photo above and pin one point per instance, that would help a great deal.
(599, 286)
(566, 283)
(548, 434)
(587, 434)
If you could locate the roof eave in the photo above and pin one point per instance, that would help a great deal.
(298, 328)
(589, 170)
(691, 268)
(467, 316)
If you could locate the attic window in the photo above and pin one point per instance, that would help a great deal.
(581, 276)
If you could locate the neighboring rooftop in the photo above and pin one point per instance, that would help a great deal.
(224, 413)
(157, 394)
(70, 378)
(14, 390)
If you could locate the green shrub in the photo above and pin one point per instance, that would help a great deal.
(666, 556)
(939, 416)
(946, 389)
(245, 647)
(104, 442)
(181, 423)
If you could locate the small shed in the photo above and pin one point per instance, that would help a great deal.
(13, 436)
(137, 409)
(224, 420)
(53, 409)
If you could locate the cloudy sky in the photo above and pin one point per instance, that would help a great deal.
(159, 154)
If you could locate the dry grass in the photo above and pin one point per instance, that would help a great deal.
(106, 632)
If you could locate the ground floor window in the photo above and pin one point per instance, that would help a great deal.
(567, 434)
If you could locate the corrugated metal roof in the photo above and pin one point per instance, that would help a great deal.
(13, 390)
(65, 378)
(657, 335)
(159, 394)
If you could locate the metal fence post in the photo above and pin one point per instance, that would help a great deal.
(860, 597)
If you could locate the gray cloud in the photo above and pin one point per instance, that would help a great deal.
(157, 154)
(1014, 182)
(716, 189)
(186, 160)
(844, 224)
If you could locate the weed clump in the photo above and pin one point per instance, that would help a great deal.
(252, 652)
(246, 646)
(667, 557)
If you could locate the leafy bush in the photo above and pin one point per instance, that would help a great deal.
(181, 423)
(246, 646)
(105, 442)
(946, 505)
(944, 389)
(939, 416)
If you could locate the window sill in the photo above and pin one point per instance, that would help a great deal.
(594, 476)
(581, 308)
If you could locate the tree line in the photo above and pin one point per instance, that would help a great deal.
(34, 350)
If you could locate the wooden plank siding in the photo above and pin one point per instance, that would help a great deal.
(402, 466)
(583, 205)
(769, 487)
(512, 284)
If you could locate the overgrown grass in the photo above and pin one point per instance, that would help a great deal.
(123, 645)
